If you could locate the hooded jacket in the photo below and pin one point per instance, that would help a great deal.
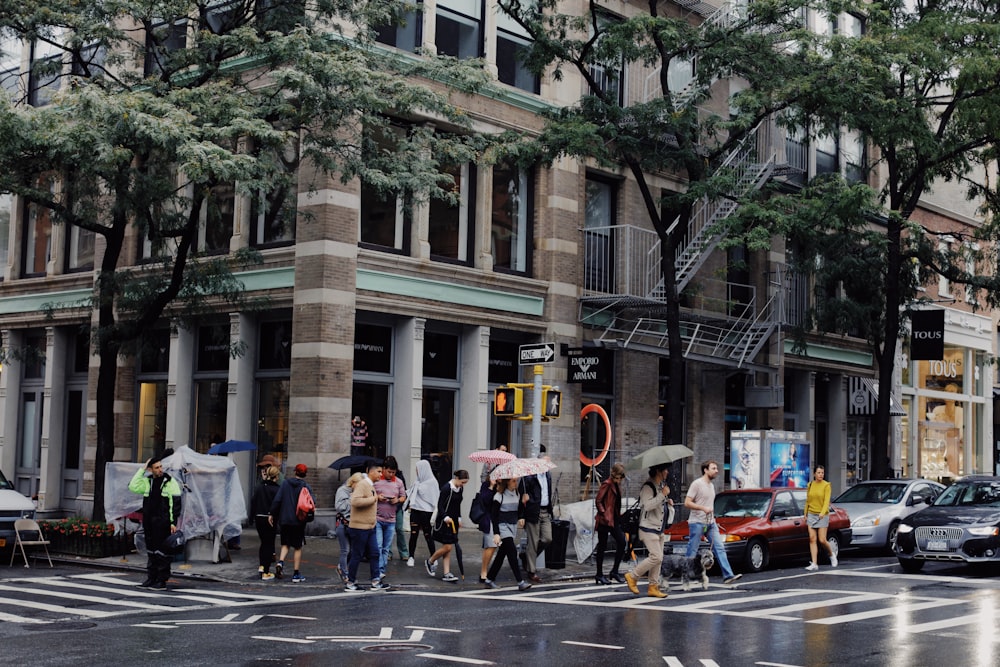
(424, 493)
(286, 500)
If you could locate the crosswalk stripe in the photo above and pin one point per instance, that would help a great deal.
(13, 618)
(944, 623)
(85, 598)
(57, 609)
(885, 611)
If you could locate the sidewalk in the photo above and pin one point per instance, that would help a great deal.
(319, 565)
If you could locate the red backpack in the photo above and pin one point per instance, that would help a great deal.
(305, 510)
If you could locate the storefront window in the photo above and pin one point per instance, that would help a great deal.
(437, 439)
(940, 438)
(152, 418)
(272, 417)
(946, 374)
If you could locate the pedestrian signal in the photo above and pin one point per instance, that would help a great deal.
(508, 401)
(551, 402)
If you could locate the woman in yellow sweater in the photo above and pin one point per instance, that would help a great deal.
(818, 516)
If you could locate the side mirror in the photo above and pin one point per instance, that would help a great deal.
(916, 499)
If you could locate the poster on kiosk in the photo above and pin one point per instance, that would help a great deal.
(769, 458)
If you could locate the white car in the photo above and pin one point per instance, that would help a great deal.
(13, 506)
(876, 507)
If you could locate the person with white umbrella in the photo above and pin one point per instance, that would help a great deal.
(653, 497)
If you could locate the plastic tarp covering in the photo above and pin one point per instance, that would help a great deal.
(581, 517)
(212, 503)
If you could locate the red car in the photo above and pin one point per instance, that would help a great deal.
(757, 525)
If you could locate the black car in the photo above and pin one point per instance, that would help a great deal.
(963, 525)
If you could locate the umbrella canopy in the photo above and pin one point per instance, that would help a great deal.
(655, 456)
(492, 457)
(521, 468)
(353, 461)
(232, 446)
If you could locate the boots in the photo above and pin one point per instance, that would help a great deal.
(655, 592)
(631, 581)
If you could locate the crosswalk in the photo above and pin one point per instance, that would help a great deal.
(907, 612)
(36, 600)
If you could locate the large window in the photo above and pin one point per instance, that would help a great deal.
(609, 77)
(274, 362)
(450, 221)
(6, 204)
(218, 214)
(459, 28)
(10, 66)
(163, 38)
(37, 240)
(273, 217)
(513, 45)
(151, 412)
(406, 33)
(80, 250)
(511, 218)
(46, 68)
(599, 247)
(211, 386)
(385, 219)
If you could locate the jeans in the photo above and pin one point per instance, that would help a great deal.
(363, 543)
(714, 539)
(345, 546)
(384, 532)
(401, 546)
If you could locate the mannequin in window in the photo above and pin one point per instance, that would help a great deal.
(359, 435)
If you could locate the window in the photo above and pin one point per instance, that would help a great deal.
(89, 62)
(163, 39)
(274, 360)
(275, 345)
(459, 28)
(510, 228)
(406, 33)
(272, 217)
(944, 285)
(279, 15)
(826, 153)
(37, 240)
(46, 67)
(853, 152)
(450, 222)
(599, 249)
(80, 250)
(151, 412)
(10, 66)
(218, 214)
(512, 47)
(385, 217)
(6, 204)
(850, 25)
(609, 77)
(211, 386)
(224, 16)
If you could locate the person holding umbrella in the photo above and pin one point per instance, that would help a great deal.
(506, 515)
(653, 497)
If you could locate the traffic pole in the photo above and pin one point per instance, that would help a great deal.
(536, 413)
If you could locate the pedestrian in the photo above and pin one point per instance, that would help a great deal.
(818, 516)
(342, 506)
(486, 491)
(506, 516)
(608, 522)
(446, 524)
(391, 494)
(488, 468)
(700, 500)
(536, 494)
(653, 496)
(260, 509)
(361, 529)
(161, 510)
(292, 529)
(402, 525)
(423, 498)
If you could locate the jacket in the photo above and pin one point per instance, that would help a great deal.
(166, 508)
(286, 500)
(364, 504)
(533, 488)
(424, 493)
(609, 504)
(651, 501)
(342, 502)
(263, 496)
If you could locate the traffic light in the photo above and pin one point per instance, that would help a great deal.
(551, 402)
(508, 401)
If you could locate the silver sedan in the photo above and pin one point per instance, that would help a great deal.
(876, 508)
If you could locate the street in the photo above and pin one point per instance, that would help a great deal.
(867, 612)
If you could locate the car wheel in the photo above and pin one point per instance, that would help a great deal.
(890, 538)
(833, 539)
(757, 555)
(911, 565)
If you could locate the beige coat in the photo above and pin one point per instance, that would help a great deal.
(364, 503)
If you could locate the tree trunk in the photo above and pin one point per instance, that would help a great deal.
(880, 449)
(107, 377)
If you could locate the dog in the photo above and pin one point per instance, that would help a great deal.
(688, 569)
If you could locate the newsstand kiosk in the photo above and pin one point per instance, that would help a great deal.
(769, 459)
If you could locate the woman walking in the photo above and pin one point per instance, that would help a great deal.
(423, 498)
(818, 516)
(446, 524)
(507, 516)
(485, 497)
(608, 522)
(652, 499)
(260, 507)
(342, 506)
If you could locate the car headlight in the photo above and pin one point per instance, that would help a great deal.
(732, 538)
(904, 528)
(27, 514)
(866, 522)
(985, 531)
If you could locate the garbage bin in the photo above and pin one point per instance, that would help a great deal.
(555, 553)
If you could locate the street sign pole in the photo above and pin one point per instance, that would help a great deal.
(536, 414)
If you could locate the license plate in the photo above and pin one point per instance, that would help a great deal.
(937, 545)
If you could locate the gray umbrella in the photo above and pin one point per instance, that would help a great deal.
(655, 456)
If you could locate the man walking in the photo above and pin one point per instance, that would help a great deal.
(391, 493)
(161, 509)
(361, 529)
(293, 529)
(536, 494)
(700, 500)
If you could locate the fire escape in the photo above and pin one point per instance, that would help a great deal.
(722, 323)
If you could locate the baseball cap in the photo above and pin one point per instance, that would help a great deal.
(266, 461)
(301, 469)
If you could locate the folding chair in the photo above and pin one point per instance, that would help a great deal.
(28, 526)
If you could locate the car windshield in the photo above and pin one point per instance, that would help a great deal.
(971, 494)
(742, 504)
(4, 483)
(872, 493)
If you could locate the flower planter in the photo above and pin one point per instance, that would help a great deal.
(79, 538)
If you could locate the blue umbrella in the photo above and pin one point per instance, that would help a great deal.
(232, 446)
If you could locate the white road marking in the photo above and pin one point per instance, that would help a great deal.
(14, 618)
(58, 609)
(83, 598)
(452, 658)
(607, 646)
(672, 661)
(288, 640)
(774, 664)
(422, 627)
(903, 608)
(297, 618)
(944, 623)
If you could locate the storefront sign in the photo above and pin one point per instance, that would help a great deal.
(927, 334)
(590, 364)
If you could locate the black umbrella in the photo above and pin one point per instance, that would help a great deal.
(353, 461)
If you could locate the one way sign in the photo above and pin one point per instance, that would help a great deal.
(536, 353)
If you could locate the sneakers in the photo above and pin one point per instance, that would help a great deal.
(267, 576)
(833, 560)
(342, 573)
(489, 584)
(812, 567)
(523, 585)
(351, 586)
(449, 577)
(279, 567)
(147, 583)
(379, 586)
(159, 585)
(430, 567)
(732, 579)
(409, 562)
(297, 578)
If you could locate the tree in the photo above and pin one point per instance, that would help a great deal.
(676, 130)
(149, 110)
